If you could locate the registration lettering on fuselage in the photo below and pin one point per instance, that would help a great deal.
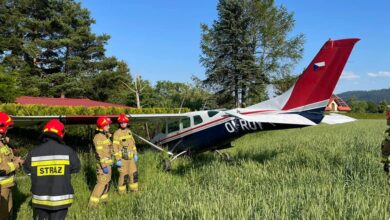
(245, 125)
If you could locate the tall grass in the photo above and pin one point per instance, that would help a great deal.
(323, 172)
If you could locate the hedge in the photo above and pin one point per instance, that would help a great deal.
(44, 110)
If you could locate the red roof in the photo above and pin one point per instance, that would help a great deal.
(29, 100)
(341, 104)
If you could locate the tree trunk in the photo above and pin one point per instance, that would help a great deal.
(237, 101)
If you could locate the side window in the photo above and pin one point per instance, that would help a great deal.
(212, 113)
(197, 119)
(185, 123)
(173, 126)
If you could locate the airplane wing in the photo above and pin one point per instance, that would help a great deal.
(87, 119)
(334, 118)
(285, 118)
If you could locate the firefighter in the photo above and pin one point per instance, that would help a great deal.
(126, 156)
(8, 165)
(103, 152)
(385, 148)
(50, 166)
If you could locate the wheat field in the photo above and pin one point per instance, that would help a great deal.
(322, 172)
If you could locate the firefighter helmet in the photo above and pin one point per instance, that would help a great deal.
(388, 114)
(5, 122)
(123, 118)
(54, 126)
(102, 122)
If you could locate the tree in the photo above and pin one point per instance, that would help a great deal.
(44, 40)
(9, 88)
(357, 106)
(228, 52)
(372, 107)
(245, 48)
(108, 85)
(383, 107)
(281, 85)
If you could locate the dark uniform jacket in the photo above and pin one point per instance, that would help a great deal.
(50, 165)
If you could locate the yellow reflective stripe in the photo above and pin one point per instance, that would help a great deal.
(50, 162)
(103, 142)
(124, 137)
(11, 166)
(122, 188)
(107, 161)
(94, 199)
(5, 150)
(133, 186)
(116, 142)
(52, 203)
(99, 147)
(51, 129)
(7, 181)
(118, 154)
(104, 196)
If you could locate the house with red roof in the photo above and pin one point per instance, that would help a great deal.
(337, 104)
(29, 100)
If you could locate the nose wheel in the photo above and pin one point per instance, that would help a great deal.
(166, 165)
(224, 155)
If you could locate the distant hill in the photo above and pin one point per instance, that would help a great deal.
(373, 95)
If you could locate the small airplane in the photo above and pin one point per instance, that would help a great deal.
(196, 132)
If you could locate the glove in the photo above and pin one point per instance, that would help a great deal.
(136, 157)
(106, 170)
(118, 163)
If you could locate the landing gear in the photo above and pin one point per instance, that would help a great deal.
(224, 155)
(166, 165)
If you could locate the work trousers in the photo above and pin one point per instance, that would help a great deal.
(100, 192)
(44, 214)
(5, 203)
(128, 176)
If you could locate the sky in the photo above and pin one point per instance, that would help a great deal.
(160, 40)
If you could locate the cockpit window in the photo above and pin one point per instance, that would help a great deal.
(212, 113)
(197, 119)
(185, 123)
(173, 126)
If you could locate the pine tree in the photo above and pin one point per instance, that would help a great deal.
(246, 48)
(50, 43)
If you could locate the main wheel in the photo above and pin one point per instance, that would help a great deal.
(226, 156)
(166, 165)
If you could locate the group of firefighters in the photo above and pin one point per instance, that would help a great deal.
(51, 164)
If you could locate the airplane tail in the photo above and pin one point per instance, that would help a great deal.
(315, 86)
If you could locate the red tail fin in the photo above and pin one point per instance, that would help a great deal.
(318, 81)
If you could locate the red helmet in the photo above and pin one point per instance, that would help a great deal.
(123, 118)
(54, 126)
(388, 114)
(102, 122)
(5, 122)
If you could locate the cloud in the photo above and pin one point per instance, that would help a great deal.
(349, 75)
(379, 74)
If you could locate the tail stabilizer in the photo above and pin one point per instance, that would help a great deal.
(315, 86)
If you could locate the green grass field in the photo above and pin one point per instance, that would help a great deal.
(323, 172)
